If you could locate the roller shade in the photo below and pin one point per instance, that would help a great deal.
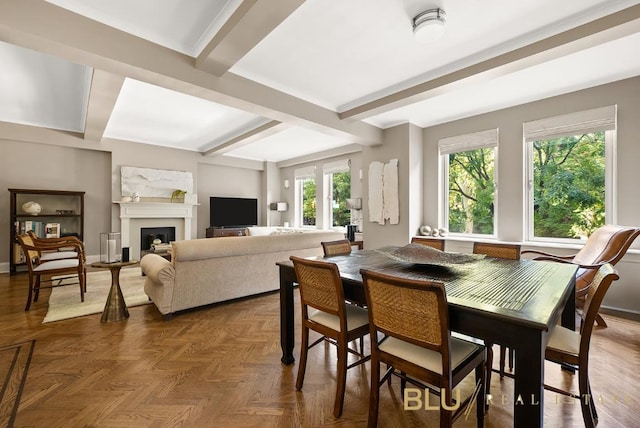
(307, 172)
(582, 122)
(467, 142)
(337, 166)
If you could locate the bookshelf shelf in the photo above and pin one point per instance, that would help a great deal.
(62, 214)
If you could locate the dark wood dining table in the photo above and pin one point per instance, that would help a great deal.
(515, 303)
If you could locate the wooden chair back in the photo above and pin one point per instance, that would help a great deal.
(607, 244)
(409, 310)
(497, 250)
(336, 248)
(320, 285)
(436, 243)
(603, 278)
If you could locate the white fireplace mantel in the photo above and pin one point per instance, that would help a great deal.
(153, 210)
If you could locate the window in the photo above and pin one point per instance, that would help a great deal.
(337, 186)
(468, 190)
(570, 171)
(305, 210)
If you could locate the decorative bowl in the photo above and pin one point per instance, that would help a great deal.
(31, 207)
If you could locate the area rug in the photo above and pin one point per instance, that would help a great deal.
(14, 365)
(64, 302)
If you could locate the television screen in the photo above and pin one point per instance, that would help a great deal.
(233, 212)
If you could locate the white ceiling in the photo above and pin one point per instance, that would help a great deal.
(294, 80)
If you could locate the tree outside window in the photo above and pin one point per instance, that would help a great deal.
(568, 188)
(341, 191)
(308, 186)
(471, 192)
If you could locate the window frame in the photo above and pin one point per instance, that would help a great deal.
(458, 144)
(300, 175)
(601, 119)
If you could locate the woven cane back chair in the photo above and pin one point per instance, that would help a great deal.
(412, 319)
(336, 248)
(436, 243)
(325, 311)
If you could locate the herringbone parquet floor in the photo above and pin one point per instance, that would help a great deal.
(220, 367)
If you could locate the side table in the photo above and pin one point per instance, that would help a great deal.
(115, 309)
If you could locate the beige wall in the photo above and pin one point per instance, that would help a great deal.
(38, 166)
(623, 295)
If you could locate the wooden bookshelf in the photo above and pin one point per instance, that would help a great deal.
(59, 207)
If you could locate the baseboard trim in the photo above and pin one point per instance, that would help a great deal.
(621, 313)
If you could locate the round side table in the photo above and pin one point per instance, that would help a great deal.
(115, 309)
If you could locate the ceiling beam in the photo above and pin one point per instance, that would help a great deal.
(599, 31)
(258, 133)
(46, 28)
(313, 157)
(105, 88)
(251, 22)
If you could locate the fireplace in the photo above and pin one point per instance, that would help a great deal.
(148, 234)
(134, 216)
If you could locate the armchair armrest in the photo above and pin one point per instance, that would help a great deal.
(548, 256)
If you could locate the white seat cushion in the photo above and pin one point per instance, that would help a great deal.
(565, 340)
(356, 317)
(56, 264)
(57, 255)
(430, 360)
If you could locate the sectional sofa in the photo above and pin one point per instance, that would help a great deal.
(210, 270)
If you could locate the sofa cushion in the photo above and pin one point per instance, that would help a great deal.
(200, 249)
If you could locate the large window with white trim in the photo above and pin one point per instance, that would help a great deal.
(337, 187)
(305, 197)
(570, 160)
(468, 183)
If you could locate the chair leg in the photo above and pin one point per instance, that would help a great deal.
(36, 289)
(341, 378)
(601, 322)
(489, 367)
(83, 285)
(302, 365)
(586, 400)
(481, 400)
(511, 359)
(28, 305)
(503, 353)
(374, 395)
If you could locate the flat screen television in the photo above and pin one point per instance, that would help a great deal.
(233, 212)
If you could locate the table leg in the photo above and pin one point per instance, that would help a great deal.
(528, 406)
(115, 309)
(287, 278)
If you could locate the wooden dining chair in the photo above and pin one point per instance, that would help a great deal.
(325, 311)
(436, 243)
(336, 248)
(68, 267)
(607, 244)
(498, 251)
(411, 319)
(568, 347)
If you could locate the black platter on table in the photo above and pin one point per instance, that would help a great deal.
(423, 255)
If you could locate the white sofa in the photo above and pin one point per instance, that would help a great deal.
(210, 270)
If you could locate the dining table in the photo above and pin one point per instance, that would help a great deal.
(515, 303)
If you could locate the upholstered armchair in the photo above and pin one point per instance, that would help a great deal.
(608, 244)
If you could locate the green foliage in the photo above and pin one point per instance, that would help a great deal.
(568, 185)
(471, 191)
(309, 202)
(341, 192)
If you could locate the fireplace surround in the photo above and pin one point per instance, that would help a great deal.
(137, 215)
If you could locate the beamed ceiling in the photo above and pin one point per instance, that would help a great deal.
(281, 80)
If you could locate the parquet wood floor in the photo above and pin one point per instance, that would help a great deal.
(220, 367)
